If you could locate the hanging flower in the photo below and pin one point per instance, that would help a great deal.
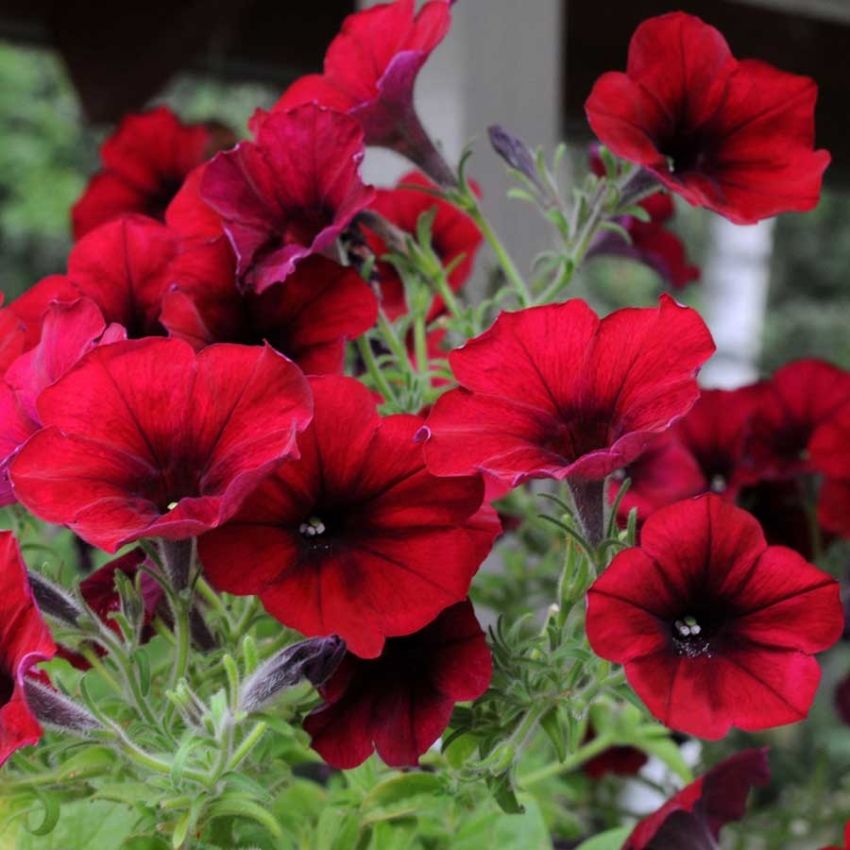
(290, 194)
(370, 73)
(401, 702)
(734, 136)
(356, 538)
(692, 820)
(147, 439)
(144, 162)
(556, 392)
(714, 627)
(24, 641)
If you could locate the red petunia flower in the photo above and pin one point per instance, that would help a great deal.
(665, 472)
(309, 318)
(400, 702)
(69, 331)
(455, 239)
(290, 194)
(144, 162)
(554, 391)
(834, 506)
(371, 68)
(355, 538)
(147, 439)
(734, 136)
(828, 455)
(24, 641)
(651, 242)
(800, 398)
(692, 820)
(616, 761)
(714, 627)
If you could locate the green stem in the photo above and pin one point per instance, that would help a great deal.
(248, 744)
(374, 370)
(579, 757)
(507, 264)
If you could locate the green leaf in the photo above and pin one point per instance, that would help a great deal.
(399, 788)
(488, 830)
(83, 825)
(554, 728)
(613, 839)
(145, 842)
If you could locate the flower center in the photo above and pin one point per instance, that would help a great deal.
(685, 153)
(690, 638)
(312, 528)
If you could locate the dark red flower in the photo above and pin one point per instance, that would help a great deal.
(829, 456)
(692, 820)
(715, 432)
(371, 68)
(714, 627)
(355, 538)
(800, 398)
(144, 162)
(834, 506)
(651, 242)
(400, 702)
(455, 239)
(308, 318)
(24, 641)
(289, 194)
(70, 329)
(665, 472)
(147, 439)
(554, 391)
(100, 594)
(734, 136)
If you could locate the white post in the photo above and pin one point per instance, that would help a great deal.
(735, 288)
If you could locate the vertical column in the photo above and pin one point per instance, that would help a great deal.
(735, 288)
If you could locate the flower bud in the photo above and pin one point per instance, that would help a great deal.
(515, 153)
(55, 601)
(314, 660)
(55, 709)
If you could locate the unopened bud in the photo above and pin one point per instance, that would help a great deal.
(315, 660)
(515, 152)
(55, 601)
(55, 709)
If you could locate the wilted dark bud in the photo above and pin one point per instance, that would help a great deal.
(515, 152)
(56, 710)
(55, 601)
(315, 660)
(177, 561)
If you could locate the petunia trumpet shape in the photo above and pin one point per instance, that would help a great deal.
(556, 392)
(147, 439)
(370, 73)
(692, 820)
(356, 538)
(290, 194)
(401, 702)
(714, 627)
(24, 641)
(734, 136)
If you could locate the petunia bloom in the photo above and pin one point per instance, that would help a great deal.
(290, 194)
(308, 318)
(144, 162)
(714, 627)
(556, 392)
(455, 239)
(147, 439)
(24, 641)
(400, 702)
(828, 455)
(370, 72)
(70, 329)
(355, 538)
(693, 818)
(734, 136)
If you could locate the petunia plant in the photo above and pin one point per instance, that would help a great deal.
(317, 542)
